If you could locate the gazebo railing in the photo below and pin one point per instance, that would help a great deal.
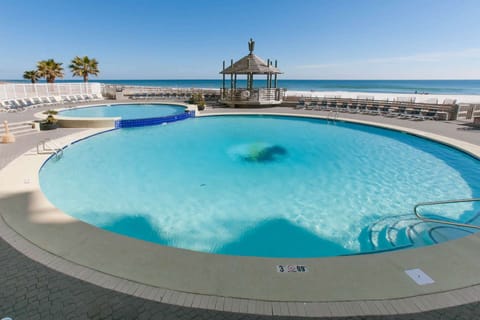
(256, 95)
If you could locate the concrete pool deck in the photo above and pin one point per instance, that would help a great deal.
(340, 286)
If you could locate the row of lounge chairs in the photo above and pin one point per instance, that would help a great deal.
(15, 105)
(170, 95)
(402, 108)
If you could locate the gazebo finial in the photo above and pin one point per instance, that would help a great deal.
(251, 45)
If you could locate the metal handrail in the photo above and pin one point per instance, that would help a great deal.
(458, 224)
(57, 151)
(332, 116)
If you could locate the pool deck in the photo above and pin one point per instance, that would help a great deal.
(163, 277)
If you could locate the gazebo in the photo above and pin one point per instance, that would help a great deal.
(251, 65)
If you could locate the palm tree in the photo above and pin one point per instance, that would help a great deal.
(83, 66)
(31, 75)
(50, 69)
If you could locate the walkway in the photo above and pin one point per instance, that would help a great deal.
(30, 290)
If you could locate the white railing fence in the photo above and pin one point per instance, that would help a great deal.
(9, 91)
(253, 95)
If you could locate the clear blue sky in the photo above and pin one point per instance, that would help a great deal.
(181, 39)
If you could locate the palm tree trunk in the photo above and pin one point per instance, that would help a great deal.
(85, 78)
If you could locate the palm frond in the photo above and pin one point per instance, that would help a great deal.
(83, 67)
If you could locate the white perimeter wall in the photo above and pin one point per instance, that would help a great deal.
(10, 91)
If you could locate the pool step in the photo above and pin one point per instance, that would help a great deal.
(19, 128)
(383, 242)
(396, 232)
(384, 233)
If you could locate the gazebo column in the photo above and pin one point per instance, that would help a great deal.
(223, 80)
(276, 83)
(231, 80)
(268, 74)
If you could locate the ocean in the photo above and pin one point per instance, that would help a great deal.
(466, 87)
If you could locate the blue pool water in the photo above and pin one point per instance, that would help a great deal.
(260, 185)
(125, 111)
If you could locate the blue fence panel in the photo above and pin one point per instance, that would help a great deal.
(153, 121)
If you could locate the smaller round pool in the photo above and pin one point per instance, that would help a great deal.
(124, 111)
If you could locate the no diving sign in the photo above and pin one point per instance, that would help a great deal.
(291, 268)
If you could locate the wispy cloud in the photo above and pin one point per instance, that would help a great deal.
(323, 65)
(430, 57)
(422, 57)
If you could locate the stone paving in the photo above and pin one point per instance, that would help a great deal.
(30, 290)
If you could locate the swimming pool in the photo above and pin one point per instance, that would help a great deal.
(124, 111)
(262, 186)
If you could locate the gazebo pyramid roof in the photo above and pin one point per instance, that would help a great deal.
(251, 64)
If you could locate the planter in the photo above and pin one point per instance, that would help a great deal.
(48, 125)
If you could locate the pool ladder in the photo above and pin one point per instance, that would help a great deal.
(440, 221)
(48, 146)
(332, 116)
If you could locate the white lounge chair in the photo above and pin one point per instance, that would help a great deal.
(5, 106)
(54, 100)
(37, 101)
(45, 101)
(29, 102)
(301, 104)
(313, 105)
(430, 115)
(15, 106)
(64, 99)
